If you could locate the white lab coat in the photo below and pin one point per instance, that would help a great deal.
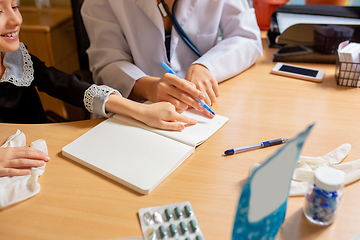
(127, 39)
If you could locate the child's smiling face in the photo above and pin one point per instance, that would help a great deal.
(10, 21)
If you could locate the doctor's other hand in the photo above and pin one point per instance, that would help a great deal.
(18, 161)
(163, 115)
(180, 93)
(204, 81)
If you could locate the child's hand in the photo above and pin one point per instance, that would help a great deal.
(204, 81)
(163, 115)
(17, 161)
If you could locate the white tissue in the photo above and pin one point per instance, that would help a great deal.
(18, 188)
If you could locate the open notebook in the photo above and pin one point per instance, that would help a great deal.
(138, 156)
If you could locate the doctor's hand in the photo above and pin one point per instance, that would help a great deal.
(17, 161)
(181, 93)
(204, 81)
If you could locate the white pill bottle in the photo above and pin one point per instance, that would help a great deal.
(324, 195)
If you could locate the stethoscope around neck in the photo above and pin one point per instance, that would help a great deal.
(178, 28)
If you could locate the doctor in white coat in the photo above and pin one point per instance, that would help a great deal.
(128, 46)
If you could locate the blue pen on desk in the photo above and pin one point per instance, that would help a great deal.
(256, 146)
(169, 70)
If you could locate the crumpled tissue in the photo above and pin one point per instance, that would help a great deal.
(18, 188)
(306, 166)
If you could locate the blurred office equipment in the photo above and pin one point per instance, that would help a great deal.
(328, 37)
(305, 25)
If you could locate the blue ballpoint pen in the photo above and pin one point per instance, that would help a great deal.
(169, 70)
(256, 146)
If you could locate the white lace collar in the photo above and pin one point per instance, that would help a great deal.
(18, 67)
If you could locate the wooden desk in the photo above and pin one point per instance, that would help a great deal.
(77, 203)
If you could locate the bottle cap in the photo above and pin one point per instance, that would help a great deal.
(329, 179)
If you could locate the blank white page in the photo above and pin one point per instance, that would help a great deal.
(132, 156)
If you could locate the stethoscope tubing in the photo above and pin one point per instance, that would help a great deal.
(179, 29)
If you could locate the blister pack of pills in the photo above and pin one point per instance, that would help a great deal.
(173, 221)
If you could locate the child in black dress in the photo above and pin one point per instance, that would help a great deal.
(19, 101)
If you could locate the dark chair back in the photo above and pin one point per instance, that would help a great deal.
(83, 43)
(82, 39)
